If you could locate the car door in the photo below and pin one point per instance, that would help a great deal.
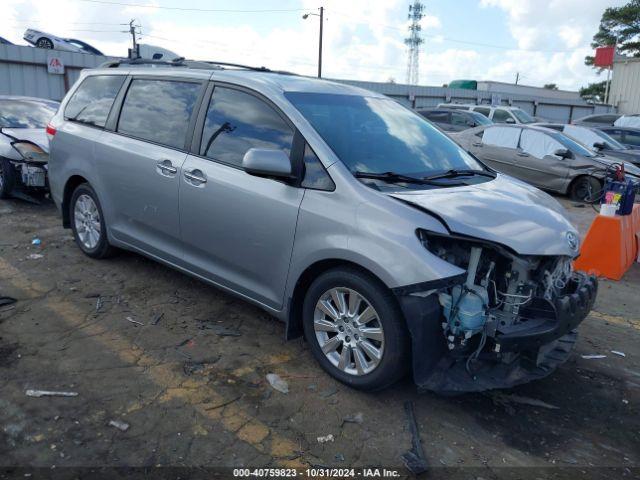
(538, 165)
(238, 229)
(498, 147)
(140, 163)
(501, 115)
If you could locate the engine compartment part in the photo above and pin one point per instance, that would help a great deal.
(33, 176)
(510, 321)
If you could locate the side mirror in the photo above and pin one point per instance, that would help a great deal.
(599, 145)
(471, 123)
(563, 153)
(264, 162)
(509, 120)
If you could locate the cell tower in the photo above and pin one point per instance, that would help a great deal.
(413, 41)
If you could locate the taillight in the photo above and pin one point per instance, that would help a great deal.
(50, 130)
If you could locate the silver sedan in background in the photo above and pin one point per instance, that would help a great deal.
(542, 157)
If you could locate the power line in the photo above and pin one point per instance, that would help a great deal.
(185, 9)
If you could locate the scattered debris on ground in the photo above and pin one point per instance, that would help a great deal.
(326, 438)
(505, 399)
(620, 354)
(35, 256)
(49, 393)
(119, 424)
(593, 357)
(129, 319)
(4, 301)
(277, 383)
(355, 418)
(414, 459)
(156, 318)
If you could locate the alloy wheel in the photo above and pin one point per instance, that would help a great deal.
(349, 331)
(87, 221)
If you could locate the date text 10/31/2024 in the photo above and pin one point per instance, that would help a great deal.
(316, 472)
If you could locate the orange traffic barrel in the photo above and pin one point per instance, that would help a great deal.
(610, 247)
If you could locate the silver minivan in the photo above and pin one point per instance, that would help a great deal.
(335, 209)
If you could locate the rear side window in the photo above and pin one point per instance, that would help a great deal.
(461, 119)
(236, 122)
(483, 110)
(632, 138)
(501, 137)
(615, 134)
(93, 99)
(159, 111)
(501, 116)
(438, 117)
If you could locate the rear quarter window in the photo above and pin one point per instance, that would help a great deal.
(159, 110)
(92, 101)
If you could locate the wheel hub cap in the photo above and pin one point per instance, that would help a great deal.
(349, 331)
(87, 221)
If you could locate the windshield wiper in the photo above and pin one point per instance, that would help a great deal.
(393, 177)
(460, 173)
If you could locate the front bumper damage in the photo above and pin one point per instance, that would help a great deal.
(514, 354)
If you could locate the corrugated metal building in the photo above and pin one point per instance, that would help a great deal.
(24, 71)
(625, 85)
(511, 88)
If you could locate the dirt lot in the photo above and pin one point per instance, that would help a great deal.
(191, 384)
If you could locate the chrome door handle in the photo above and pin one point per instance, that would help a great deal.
(523, 154)
(166, 167)
(477, 144)
(194, 177)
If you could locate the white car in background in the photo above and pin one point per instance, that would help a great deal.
(46, 40)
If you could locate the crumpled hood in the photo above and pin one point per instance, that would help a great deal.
(35, 135)
(505, 211)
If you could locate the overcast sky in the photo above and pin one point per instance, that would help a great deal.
(544, 40)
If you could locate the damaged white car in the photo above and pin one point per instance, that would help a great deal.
(24, 145)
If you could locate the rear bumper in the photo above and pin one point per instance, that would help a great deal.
(535, 348)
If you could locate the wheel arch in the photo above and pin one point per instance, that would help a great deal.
(72, 183)
(579, 177)
(305, 279)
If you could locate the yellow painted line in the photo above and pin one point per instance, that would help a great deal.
(626, 322)
(194, 391)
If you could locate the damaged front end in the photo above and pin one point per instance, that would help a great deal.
(509, 320)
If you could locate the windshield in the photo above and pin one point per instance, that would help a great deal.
(370, 134)
(522, 116)
(26, 113)
(573, 146)
(480, 119)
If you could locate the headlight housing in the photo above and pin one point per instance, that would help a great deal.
(30, 152)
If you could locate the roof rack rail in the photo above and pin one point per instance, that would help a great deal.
(196, 64)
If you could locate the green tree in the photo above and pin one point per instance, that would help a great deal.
(623, 24)
(594, 91)
(550, 86)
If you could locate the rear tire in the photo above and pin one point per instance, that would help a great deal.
(7, 178)
(586, 189)
(364, 343)
(87, 223)
(44, 43)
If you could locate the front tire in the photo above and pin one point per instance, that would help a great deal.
(87, 223)
(586, 189)
(7, 178)
(355, 329)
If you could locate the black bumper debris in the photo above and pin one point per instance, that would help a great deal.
(536, 346)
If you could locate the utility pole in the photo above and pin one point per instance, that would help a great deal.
(413, 41)
(517, 77)
(132, 31)
(321, 15)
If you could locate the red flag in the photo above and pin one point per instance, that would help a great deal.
(604, 56)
